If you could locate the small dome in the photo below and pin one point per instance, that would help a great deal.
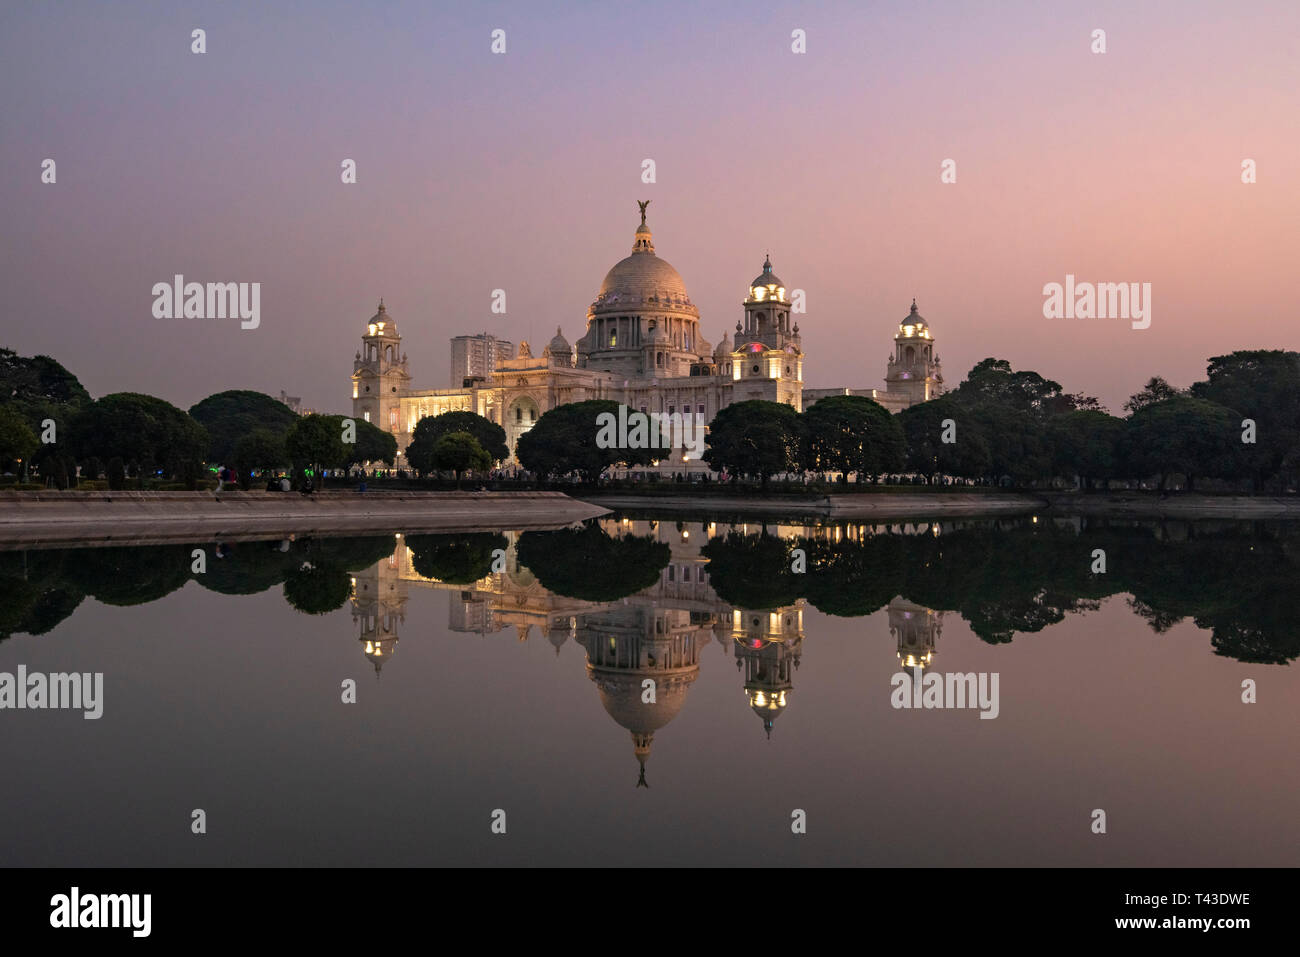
(767, 707)
(767, 277)
(723, 347)
(390, 324)
(559, 344)
(379, 652)
(557, 635)
(914, 318)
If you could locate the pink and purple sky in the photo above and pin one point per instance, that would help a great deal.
(520, 171)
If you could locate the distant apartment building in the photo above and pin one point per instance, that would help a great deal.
(292, 401)
(476, 357)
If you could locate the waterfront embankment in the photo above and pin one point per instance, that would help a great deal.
(892, 506)
(50, 518)
(31, 518)
(851, 507)
(1184, 505)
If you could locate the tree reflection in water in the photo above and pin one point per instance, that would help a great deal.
(643, 597)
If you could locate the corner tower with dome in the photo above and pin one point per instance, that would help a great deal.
(379, 375)
(913, 369)
(644, 347)
(912, 373)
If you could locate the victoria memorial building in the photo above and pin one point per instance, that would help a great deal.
(643, 346)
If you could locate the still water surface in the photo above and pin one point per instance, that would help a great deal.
(521, 689)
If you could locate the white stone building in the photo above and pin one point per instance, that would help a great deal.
(643, 346)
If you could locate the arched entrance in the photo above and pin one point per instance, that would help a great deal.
(521, 415)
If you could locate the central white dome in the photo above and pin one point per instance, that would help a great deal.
(643, 279)
(639, 277)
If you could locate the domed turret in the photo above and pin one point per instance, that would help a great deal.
(767, 279)
(379, 651)
(559, 349)
(914, 324)
(558, 633)
(767, 705)
(767, 338)
(767, 649)
(381, 323)
(913, 370)
(380, 375)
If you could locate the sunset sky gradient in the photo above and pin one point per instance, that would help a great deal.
(521, 172)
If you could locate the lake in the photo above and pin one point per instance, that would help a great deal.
(646, 691)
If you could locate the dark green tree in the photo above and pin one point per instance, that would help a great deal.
(352, 554)
(993, 381)
(316, 442)
(1017, 442)
(925, 427)
(1156, 390)
(249, 567)
(851, 433)
(260, 449)
(587, 564)
(564, 441)
(35, 591)
(459, 452)
(1087, 444)
(116, 470)
(753, 571)
(317, 587)
(431, 428)
(1191, 437)
(1011, 411)
(373, 444)
(1263, 386)
(130, 575)
(850, 578)
(38, 388)
(142, 429)
(17, 440)
(229, 416)
(756, 438)
(455, 559)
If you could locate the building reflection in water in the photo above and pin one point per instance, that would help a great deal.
(379, 605)
(767, 644)
(656, 634)
(916, 630)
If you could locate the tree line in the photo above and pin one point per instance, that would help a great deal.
(51, 428)
(1001, 427)
(1005, 579)
(1017, 577)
